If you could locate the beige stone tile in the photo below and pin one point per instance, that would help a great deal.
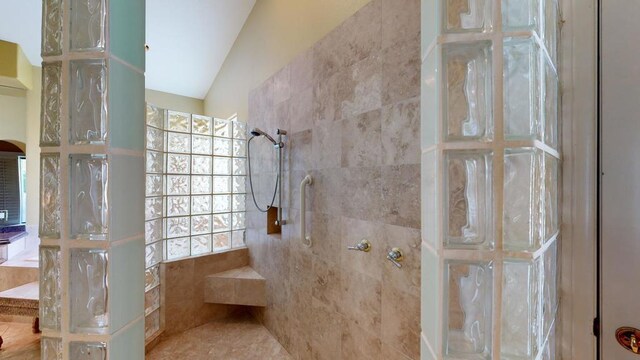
(179, 305)
(328, 189)
(327, 146)
(325, 233)
(301, 73)
(361, 191)
(365, 87)
(401, 71)
(406, 278)
(370, 263)
(301, 110)
(360, 344)
(301, 150)
(401, 133)
(401, 195)
(401, 321)
(360, 136)
(282, 85)
(361, 300)
(390, 352)
(400, 21)
(326, 288)
(326, 333)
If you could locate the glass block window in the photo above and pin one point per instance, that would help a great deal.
(195, 192)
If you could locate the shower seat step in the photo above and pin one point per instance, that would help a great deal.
(240, 286)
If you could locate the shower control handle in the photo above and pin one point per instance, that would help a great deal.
(395, 256)
(363, 245)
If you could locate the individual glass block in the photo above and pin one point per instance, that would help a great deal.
(222, 128)
(521, 89)
(200, 224)
(152, 324)
(221, 203)
(237, 239)
(154, 162)
(155, 139)
(50, 287)
(177, 121)
(178, 185)
(153, 231)
(467, 93)
(550, 31)
(520, 303)
(51, 102)
(88, 101)
(153, 208)
(88, 198)
(87, 350)
(178, 164)
(239, 166)
(178, 248)
(201, 204)
(468, 218)
(238, 221)
(201, 145)
(88, 23)
(50, 190)
(178, 205)
(52, 20)
(221, 222)
(88, 291)
(522, 222)
(202, 124)
(520, 14)
(239, 203)
(201, 165)
(551, 197)
(221, 241)
(221, 166)
(239, 130)
(179, 143)
(239, 148)
(151, 300)
(467, 16)
(468, 307)
(201, 184)
(239, 184)
(154, 185)
(222, 147)
(51, 348)
(151, 277)
(155, 116)
(549, 288)
(221, 184)
(177, 227)
(200, 244)
(550, 105)
(153, 254)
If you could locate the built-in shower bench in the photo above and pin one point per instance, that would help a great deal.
(240, 286)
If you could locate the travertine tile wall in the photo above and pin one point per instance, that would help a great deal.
(351, 106)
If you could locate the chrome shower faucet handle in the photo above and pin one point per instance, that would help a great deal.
(395, 256)
(363, 245)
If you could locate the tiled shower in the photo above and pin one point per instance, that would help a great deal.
(351, 107)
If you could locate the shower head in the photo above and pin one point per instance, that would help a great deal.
(258, 132)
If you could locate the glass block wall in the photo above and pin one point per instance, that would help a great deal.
(195, 193)
(490, 157)
(91, 179)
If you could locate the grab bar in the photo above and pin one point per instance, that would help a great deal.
(306, 240)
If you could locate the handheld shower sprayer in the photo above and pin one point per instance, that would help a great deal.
(258, 132)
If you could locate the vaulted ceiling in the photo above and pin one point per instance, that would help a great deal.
(188, 39)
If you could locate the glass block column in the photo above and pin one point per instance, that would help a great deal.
(92, 180)
(491, 158)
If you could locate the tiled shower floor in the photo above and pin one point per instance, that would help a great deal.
(232, 339)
